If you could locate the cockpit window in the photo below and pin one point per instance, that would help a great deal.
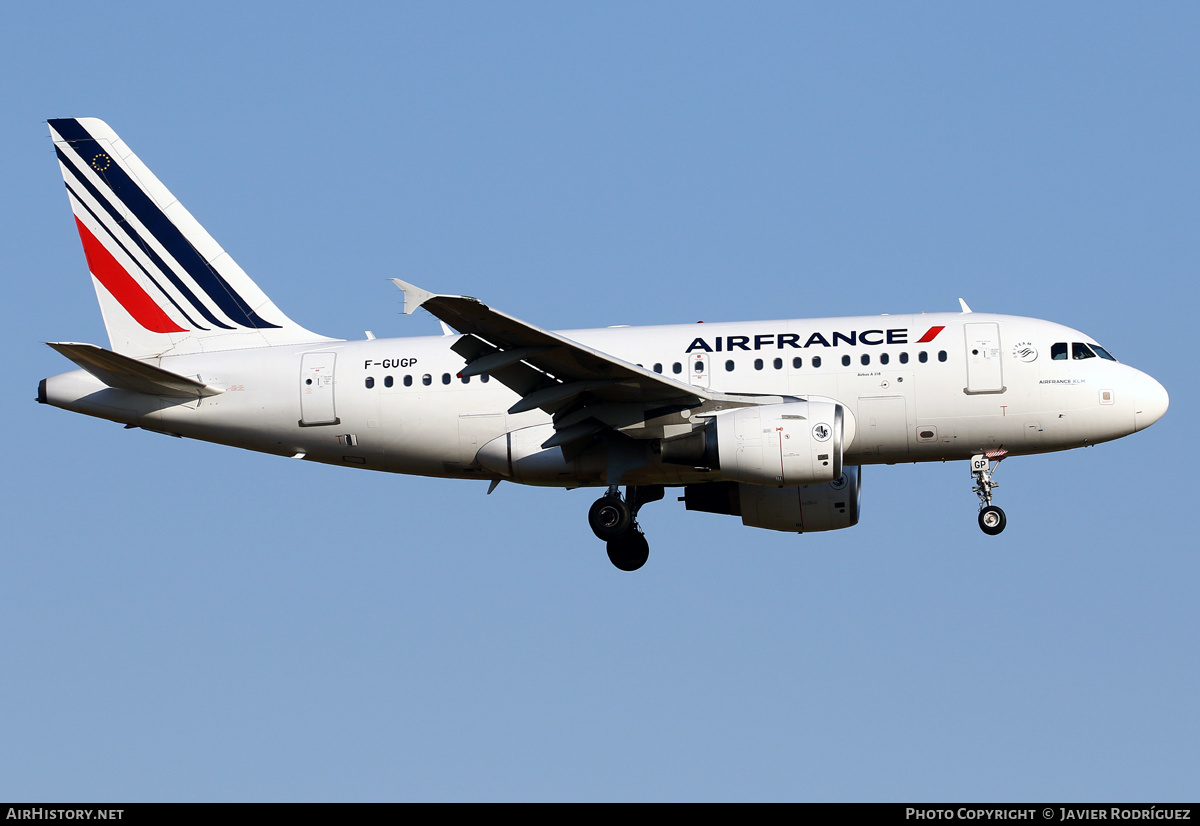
(1079, 351)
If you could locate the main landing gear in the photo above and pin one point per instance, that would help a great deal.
(991, 518)
(614, 519)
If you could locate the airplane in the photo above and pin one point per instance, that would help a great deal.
(770, 421)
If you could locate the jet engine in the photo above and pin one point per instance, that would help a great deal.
(799, 508)
(793, 443)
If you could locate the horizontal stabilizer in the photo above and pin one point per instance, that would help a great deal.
(126, 373)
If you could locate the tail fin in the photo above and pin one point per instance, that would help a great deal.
(164, 285)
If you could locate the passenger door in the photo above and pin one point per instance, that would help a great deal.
(316, 389)
(984, 371)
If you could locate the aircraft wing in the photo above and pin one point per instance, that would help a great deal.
(586, 390)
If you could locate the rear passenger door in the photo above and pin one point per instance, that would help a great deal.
(316, 389)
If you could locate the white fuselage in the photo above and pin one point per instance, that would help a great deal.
(982, 382)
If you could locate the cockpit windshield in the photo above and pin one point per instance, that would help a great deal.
(1078, 351)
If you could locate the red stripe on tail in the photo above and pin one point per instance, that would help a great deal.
(122, 286)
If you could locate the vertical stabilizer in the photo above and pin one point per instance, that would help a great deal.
(165, 286)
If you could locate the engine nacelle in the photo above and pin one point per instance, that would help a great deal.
(793, 443)
(796, 508)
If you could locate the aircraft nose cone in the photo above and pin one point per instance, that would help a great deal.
(1151, 401)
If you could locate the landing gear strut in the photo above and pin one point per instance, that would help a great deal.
(614, 519)
(991, 518)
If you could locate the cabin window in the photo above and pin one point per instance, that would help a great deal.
(485, 378)
(845, 361)
(941, 355)
(465, 379)
(1058, 351)
(866, 359)
(922, 357)
(758, 364)
(388, 381)
(796, 363)
(884, 358)
(904, 358)
(445, 378)
(658, 368)
(408, 381)
(677, 368)
(816, 361)
(778, 364)
(370, 382)
(729, 366)
(1081, 351)
(426, 379)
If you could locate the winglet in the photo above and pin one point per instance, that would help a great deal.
(414, 296)
(964, 306)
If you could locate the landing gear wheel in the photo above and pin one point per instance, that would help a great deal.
(610, 517)
(630, 551)
(992, 520)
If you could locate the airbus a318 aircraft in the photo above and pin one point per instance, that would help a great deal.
(770, 421)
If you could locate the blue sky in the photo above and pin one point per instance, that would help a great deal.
(182, 621)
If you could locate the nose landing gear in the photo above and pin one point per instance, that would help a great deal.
(614, 519)
(991, 518)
